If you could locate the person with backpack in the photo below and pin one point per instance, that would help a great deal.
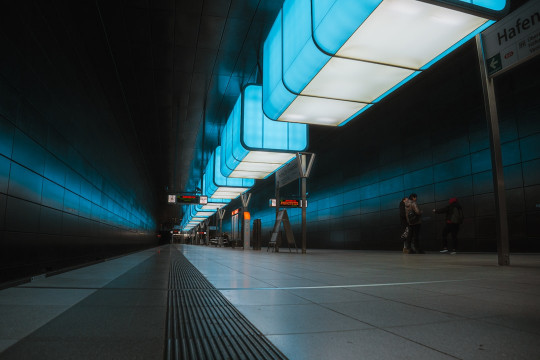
(453, 217)
(414, 218)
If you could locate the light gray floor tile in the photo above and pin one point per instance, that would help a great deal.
(509, 298)
(459, 306)
(331, 295)
(385, 313)
(262, 297)
(394, 292)
(370, 344)
(290, 319)
(18, 321)
(298, 282)
(471, 339)
(518, 319)
(4, 344)
(44, 297)
(242, 283)
(91, 349)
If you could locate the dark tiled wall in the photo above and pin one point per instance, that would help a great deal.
(429, 138)
(70, 191)
(56, 209)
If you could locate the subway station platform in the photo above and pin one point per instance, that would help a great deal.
(325, 304)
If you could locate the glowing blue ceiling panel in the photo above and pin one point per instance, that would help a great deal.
(326, 61)
(218, 186)
(254, 146)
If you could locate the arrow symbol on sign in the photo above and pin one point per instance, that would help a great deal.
(493, 63)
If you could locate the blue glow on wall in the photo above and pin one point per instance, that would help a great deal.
(49, 181)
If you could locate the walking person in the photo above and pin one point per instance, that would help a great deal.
(453, 217)
(404, 224)
(414, 219)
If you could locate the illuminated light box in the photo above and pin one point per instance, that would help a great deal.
(218, 186)
(254, 146)
(213, 204)
(327, 61)
(196, 214)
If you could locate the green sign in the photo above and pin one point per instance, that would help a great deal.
(494, 64)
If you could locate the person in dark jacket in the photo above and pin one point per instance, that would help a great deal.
(414, 218)
(404, 224)
(453, 218)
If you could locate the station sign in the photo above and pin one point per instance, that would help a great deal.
(235, 212)
(299, 167)
(288, 203)
(187, 199)
(184, 199)
(513, 39)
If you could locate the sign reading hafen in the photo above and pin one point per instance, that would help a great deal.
(512, 40)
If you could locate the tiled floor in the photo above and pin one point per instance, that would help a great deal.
(383, 305)
(321, 305)
(112, 310)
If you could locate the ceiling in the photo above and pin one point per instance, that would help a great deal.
(171, 72)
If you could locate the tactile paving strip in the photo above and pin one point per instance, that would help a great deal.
(203, 324)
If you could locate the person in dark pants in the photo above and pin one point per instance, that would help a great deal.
(414, 218)
(404, 224)
(453, 218)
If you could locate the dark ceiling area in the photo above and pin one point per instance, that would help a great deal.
(178, 67)
(169, 71)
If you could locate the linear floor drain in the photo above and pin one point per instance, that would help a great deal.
(203, 324)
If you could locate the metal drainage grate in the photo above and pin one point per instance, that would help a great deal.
(203, 324)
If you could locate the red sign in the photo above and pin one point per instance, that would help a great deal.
(289, 203)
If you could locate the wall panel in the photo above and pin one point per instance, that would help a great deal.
(429, 138)
(69, 191)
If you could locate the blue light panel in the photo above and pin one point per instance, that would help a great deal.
(276, 98)
(215, 181)
(252, 145)
(308, 34)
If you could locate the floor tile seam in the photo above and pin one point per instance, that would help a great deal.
(484, 318)
(38, 306)
(339, 302)
(493, 301)
(88, 269)
(452, 315)
(253, 263)
(134, 260)
(250, 276)
(387, 329)
(323, 332)
(121, 306)
(419, 343)
(91, 288)
(85, 338)
(526, 292)
(347, 286)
